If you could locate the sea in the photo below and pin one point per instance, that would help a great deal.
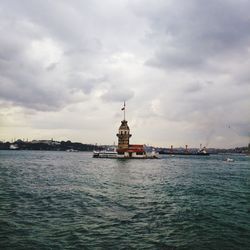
(69, 200)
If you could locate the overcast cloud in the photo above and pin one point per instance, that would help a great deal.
(182, 66)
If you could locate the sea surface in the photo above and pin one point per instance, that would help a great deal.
(61, 200)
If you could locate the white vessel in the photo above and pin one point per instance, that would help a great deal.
(14, 147)
(229, 160)
(105, 154)
(126, 155)
(72, 150)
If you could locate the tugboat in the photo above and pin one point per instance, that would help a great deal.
(124, 149)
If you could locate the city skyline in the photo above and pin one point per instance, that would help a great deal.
(182, 68)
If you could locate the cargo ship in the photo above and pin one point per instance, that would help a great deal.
(200, 152)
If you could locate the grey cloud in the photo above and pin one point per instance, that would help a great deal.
(116, 94)
(87, 33)
(52, 66)
(56, 19)
(181, 59)
(112, 51)
(193, 87)
(197, 86)
(25, 84)
(24, 81)
(29, 93)
(85, 83)
(242, 129)
(205, 103)
(191, 33)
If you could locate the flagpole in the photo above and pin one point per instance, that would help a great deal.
(124, 110)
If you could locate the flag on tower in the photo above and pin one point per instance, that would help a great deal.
(123, 106)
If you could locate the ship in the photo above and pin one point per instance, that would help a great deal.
(124, 149)
(200, 152)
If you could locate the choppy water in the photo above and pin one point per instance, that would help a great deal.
(59, 200)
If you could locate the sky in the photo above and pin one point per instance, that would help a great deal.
(183, 68)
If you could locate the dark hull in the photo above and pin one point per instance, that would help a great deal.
(183, 153)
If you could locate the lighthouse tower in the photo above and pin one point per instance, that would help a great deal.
(124, 149)
(123, 134)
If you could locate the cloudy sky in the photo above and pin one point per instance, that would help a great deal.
(183, 68)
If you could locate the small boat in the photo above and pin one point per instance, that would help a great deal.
(202, 152)
(105, 154)
(229, 160)
(72, 150)
(14, 147)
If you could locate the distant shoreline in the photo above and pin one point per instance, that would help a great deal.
(51, 145)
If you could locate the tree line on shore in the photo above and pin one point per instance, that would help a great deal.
(78, 146)
(48, 145)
